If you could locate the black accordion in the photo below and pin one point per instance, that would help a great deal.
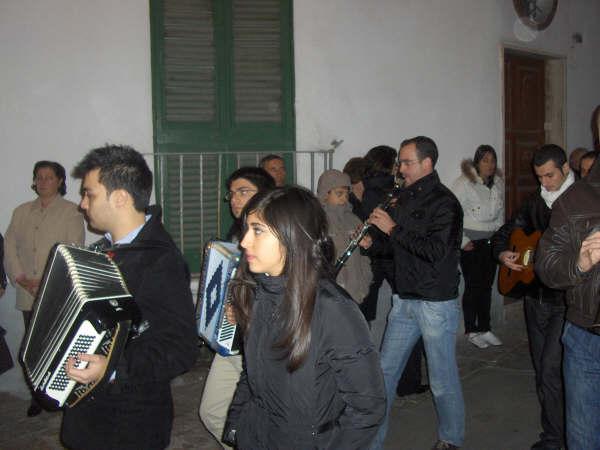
(83, 306)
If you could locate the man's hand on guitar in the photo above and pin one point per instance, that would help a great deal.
(92, 373)
(589, 254)
(509, 259)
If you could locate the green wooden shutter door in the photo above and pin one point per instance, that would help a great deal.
(257, 60)
(189, 61)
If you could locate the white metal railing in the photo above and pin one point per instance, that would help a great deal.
(191, 186)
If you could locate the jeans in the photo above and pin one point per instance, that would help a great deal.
(544, 327)
(437, 323)
(582, 387)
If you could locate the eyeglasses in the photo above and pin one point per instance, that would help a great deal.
(407, 162)
(242, 193)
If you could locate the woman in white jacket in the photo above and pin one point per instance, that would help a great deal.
(480, 190)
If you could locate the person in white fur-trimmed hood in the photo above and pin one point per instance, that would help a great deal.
(480, 191)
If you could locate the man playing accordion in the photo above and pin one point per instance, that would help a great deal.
(133, 409)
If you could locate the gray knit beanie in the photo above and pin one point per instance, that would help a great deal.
(331, 179)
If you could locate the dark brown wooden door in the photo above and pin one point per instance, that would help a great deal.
(524, 125)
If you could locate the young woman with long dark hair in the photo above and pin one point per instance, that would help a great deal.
(312, 377)
(224, 373)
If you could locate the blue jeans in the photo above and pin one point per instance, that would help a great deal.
(437, 323)
(582, 387)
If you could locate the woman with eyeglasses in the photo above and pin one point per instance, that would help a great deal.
(34, 228)
(242, 185)
(311, 376)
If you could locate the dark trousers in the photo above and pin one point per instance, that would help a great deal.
(545, 323)
(383, 269)
(479, 269)
(26, 321)
(411, 377)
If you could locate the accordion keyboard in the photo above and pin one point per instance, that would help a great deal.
(87, 340)
(226, 335)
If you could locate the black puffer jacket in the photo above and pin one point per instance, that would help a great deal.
(335, 400)
(426, 241)
(575, 215)
(533, 215)
(377, 186)
(135, 410)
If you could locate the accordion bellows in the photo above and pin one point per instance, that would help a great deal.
(83, 306)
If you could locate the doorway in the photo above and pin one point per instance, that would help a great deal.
(534, 111)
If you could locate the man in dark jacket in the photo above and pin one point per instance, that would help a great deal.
(133, 408)
(568, 258)
(544, 307)
(425, 232)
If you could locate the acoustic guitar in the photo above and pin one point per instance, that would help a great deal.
(525, 245)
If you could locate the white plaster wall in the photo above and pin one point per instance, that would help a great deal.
(384, 70)
(76, 74)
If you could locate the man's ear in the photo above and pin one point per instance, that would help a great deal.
(120, 197)
(566, 168)
(427, 163)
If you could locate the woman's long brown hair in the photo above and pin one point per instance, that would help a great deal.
(297, 219)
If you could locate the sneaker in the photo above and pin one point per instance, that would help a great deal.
(490, 338)
(477, 340)
(443, 445)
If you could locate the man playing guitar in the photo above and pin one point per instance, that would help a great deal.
(544, 307)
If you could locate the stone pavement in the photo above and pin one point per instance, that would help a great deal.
(502, 412)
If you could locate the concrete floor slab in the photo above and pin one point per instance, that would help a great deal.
(502, 411)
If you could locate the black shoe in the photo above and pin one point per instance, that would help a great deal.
(34, 410)
(443, 445)
(420, 389)
(543, 445)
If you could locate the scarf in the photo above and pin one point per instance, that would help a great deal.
(551, 196)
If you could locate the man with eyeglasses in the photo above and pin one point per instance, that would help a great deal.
(425, 230)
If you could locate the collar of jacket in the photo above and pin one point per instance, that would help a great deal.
(379, 180)
(425, 184)
(155, 213)
(37, 203)
(470, 172)
(271, 284)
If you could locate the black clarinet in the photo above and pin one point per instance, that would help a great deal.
(389, 201)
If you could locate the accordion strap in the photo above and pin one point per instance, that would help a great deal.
(105, 246)
(142, 245)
